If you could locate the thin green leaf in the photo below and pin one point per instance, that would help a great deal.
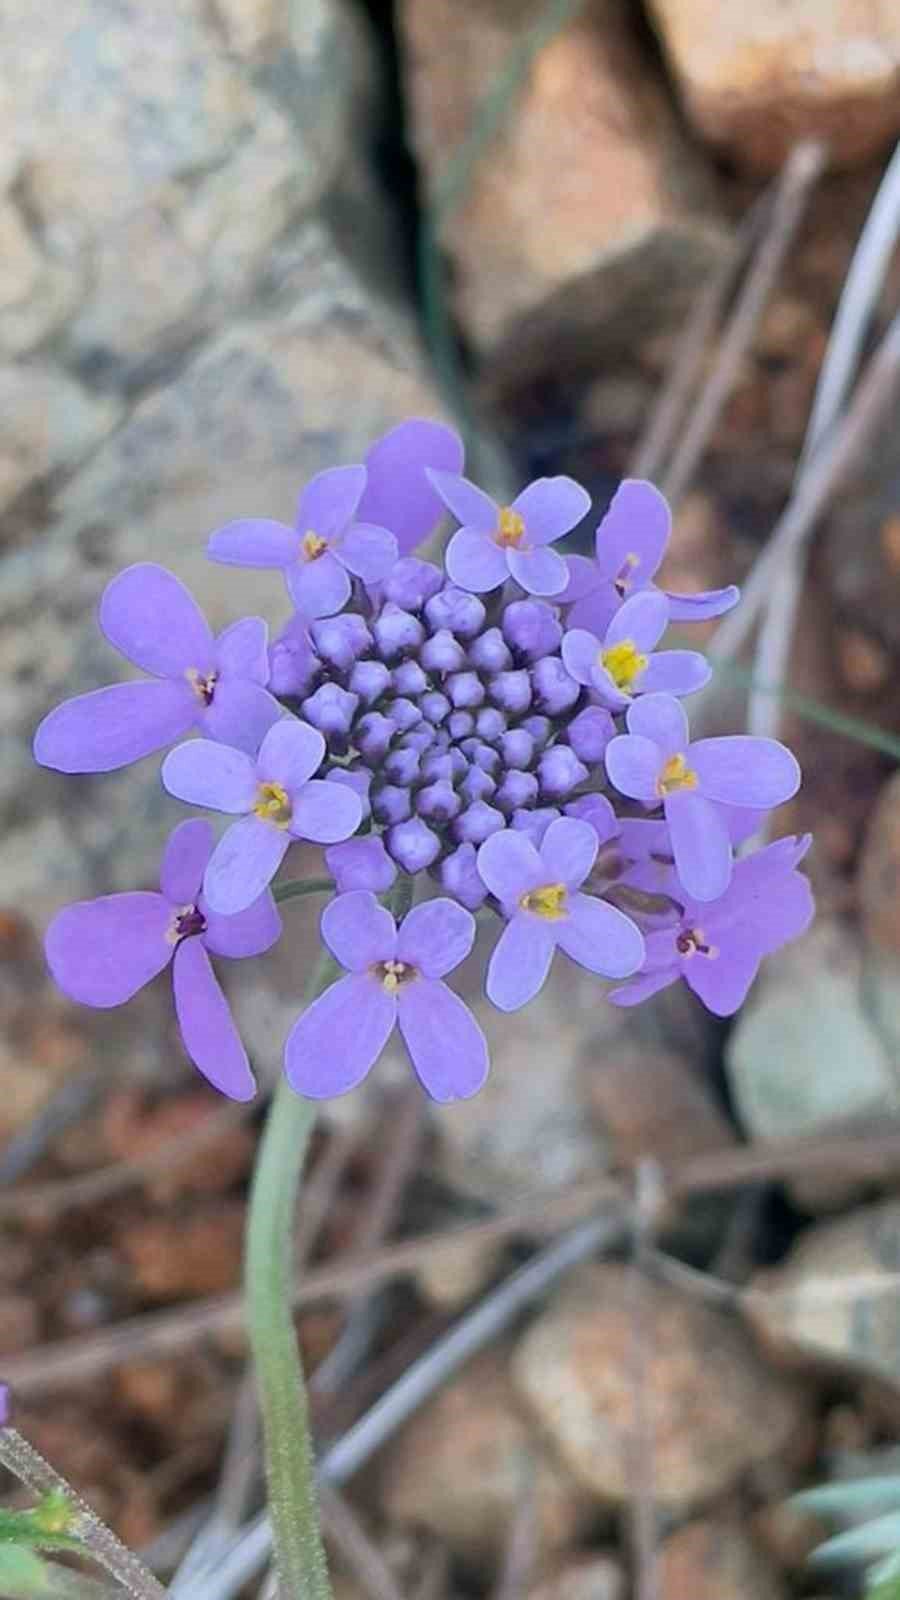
(302, 886)
(816, 711)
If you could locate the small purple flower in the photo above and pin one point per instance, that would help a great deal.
(394, 978)
(497, 542)
(101, 952)
(654, 763)
(538, 891)
(276, 798)
(630, 544)
(717, 946)
(217, 685)
(625, 663)
(317, 554)
(398, 494)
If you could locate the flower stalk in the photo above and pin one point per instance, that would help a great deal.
(268, 1280)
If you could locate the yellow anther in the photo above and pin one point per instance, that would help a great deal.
(548, 902)
(510, 527)
(623, 662)
(675, 775)
(272, 804)
(312, 546)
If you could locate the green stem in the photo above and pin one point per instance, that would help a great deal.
(268, 1280)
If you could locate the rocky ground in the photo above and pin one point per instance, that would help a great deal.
(207, 293)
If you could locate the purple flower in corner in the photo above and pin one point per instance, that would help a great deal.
(498, 542)
(394, 977)
(318, 554)
(101, 952)
(717, 946)
(654, 763)
(217, 685)
(276, 797)
(624, 664)
(630, 544)
(539, 892)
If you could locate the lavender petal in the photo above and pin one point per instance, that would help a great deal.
(520, 962)
(324, 812)
(207, 1026)
(435, 937)
(290, 753)
(741, 770)
(101, 952)
(330, 501)
(662, 718)
(568, 852)
(188, 849)
(109, 728)
(637, 524)
(149, 615)
(447, 1047)
(469, 504)
(549, 508)
(240, 714)
(249, 933)
(243, 864)
(368, 551)
(702, 607)
(204, 773)
(318, 587)
(361, 864)
(242, 650)
(474, 561)
(398, 494)
(675, 672)
(540, 571)
(642, 619)
(358, 931)
(509, 865)
(254, 542)
(338, 1039)
(598, 936)
(700, 844)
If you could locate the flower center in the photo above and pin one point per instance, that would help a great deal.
(312, 546)
(624, 663)
(186, 923)
(548, 902)
(393, 974)
(622, 583)
(510, 528)
(272, 804)
(675, 775)
(203, 684)
(693, 942)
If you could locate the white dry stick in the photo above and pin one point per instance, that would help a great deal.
(781, 595)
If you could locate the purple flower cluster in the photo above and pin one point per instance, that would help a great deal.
(504, 724)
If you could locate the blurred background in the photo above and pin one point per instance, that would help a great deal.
(238, 240)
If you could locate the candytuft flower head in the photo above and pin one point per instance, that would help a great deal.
(277, 798)
(420, 729)
(216, 685)
(538, 889)
(395, 978)
(655, 763)
(101, 952)
(630, 544)
(498, 542)
(319, 554)
(717, 946)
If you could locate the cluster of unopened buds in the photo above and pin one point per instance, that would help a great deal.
(504, 725)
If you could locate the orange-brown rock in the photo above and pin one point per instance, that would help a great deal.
(756, 79)
(715, 1560)
(879, 871)
(715, 1410)
(588, 219)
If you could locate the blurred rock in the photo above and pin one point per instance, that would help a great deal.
(199, 1253)
(460, 1466)
(787, 1534)
(585, 1577)
(651, 1103)
(262, 407)
(879, 871)
(455, 1273)
(836, 1298)
(716, 1410)
(804, 1057)
(133, 1130)
(715, 1560)
(20, 1323)
(153, 169)
(588, 221)
(50, 424)
(755, 83)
